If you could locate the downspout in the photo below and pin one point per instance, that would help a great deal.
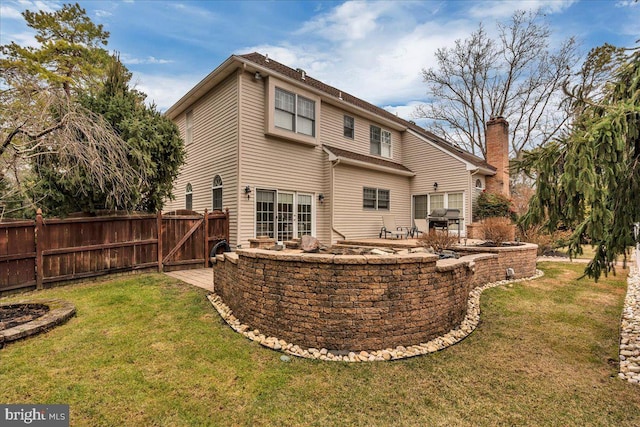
(333, 198)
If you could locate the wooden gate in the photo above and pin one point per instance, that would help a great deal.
(188, 237)
(37, 254)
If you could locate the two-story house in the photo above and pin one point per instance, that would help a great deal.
(290, 155)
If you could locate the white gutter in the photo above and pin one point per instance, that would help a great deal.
(366, 165)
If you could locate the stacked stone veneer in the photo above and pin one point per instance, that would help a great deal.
(356, 302)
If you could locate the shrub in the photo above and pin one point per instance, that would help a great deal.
(547, 242)
(438, 240)
(494, 205)
(497, 230)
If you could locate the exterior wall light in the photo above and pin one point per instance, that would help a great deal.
(321, 198)
(247, 191)
(435, 186)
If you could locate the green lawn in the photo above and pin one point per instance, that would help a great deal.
(148, 350)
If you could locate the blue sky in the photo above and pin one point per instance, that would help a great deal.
(374, 50)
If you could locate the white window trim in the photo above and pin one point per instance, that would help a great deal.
(377, 199)
(296, 114)
(270, 129)
(353, 128)
(383, 133)
(295, 212)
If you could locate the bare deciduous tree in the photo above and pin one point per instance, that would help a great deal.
(43, 122)
(516, 76)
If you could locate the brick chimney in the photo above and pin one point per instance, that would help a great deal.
(497, 138)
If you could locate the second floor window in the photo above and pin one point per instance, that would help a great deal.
(349, 127)
(294, 112)
(380, 142)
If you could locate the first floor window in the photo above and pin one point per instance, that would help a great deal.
(420, 206)
(436, 201)
(216, 193)
(375, 198)
(188, 203)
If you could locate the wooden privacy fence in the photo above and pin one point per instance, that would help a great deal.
(45, 251)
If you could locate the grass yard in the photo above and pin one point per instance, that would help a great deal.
(149, 350)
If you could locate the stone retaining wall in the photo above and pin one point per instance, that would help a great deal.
(354, 302)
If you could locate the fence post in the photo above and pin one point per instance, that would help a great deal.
(226, 225)
(206, 238)
(159, 232)
(39, 247)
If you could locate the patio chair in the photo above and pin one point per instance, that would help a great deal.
(389, 227)
(421, 226)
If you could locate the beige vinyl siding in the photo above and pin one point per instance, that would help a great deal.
(271, 163)
(433, 165)
(332, 127)
(212, 152)
(356, 222)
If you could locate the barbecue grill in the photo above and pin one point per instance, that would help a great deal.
(443, 218)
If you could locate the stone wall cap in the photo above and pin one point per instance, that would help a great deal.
(381, 259)
(477, 257)
(311, 257)
(449, 264)
(349, 259)
(416, 257)
(231, 257)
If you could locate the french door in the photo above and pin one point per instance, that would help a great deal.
(283, 215)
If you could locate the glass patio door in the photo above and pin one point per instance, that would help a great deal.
(285, 217)
(304, 209)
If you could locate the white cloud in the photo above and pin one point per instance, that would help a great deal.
(502, 9)
(406, 111)
(103, 13)
(9, 12)
(45, 6)
(350, 21)
(148, 60)
(383, 66)
(164, 90)
(25, 38)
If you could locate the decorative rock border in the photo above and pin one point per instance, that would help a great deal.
(59, 312)
(630, 328)
(454, 336)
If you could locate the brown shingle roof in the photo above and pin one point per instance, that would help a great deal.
(366, 159)
(332, 91)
